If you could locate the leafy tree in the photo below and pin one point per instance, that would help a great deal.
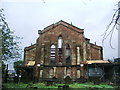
(3, 71)
(17, 63)
(10, 48)
(3, 67)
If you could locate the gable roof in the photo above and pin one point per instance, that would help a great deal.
(30, 47)
(61, 22)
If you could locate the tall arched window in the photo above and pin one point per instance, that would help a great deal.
(52, 54)
(60, 41)
(67, 54)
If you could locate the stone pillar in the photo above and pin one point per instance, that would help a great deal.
(73, 56)
(41, 73)
(42, 56)
(56, 54)
(73, 59)
(78, 55)
(84, 50)
(37, 61)
(100, 54)
(54, 71)
(63, 54)
(78, 73)
(89, 51)
(65, 71)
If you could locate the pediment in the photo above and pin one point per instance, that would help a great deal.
(64, 24)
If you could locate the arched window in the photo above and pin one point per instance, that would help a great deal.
(67, 54)
(60, 41)
(52, 54)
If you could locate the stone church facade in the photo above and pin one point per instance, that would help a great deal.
(61, 50)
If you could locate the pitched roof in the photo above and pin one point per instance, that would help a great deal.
(95, 46)
(97, 61)
(61, 22)
(94, 61)
(30, 47)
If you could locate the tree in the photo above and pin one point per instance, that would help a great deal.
(114, 24)
(10, 47)
(17, 63)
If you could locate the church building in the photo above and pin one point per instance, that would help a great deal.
(61, 50)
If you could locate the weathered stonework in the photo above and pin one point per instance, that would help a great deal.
(29, 54)
(80, 50)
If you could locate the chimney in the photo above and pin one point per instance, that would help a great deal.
(95, 43)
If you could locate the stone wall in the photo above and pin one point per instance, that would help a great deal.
(51, 37)
(80, 50)
(29, 54)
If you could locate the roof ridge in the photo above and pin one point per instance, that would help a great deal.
(70, 24)
(58, 23)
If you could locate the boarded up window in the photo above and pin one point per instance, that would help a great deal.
(67, 54)
(95, 71)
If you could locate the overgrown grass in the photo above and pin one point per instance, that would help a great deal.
(89, 85)
(15, 85)
(42, 85)
(23, 85)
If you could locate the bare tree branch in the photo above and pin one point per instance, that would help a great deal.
(111, 27)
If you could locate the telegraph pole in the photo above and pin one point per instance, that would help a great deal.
(0, 58)
(119, 30)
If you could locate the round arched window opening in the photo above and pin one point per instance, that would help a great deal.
(52, 54)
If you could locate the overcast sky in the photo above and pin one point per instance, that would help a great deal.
(26, 17)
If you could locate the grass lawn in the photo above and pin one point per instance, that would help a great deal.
(42, 85)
